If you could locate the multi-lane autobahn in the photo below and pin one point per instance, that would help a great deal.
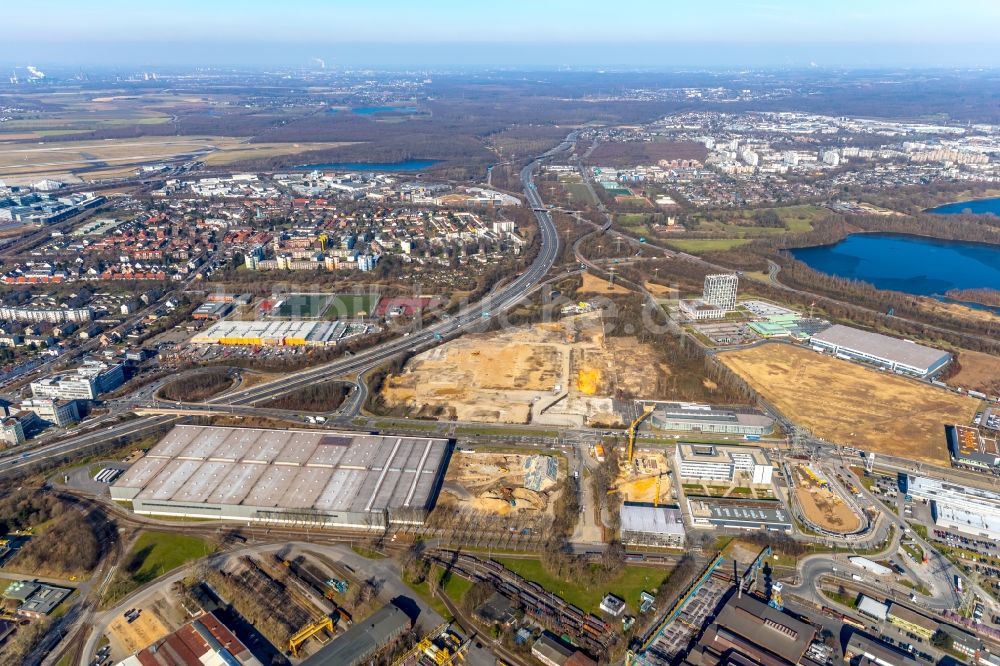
(468, 317)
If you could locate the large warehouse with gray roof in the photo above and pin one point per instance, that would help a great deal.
(882, 350)
(288, 476)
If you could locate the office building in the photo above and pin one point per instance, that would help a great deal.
(739, 514)
(11, 431)
(720, 290)
(60, 413)
(85, 383)
(711, 462)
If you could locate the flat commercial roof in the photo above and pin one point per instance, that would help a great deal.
(650, 519)
(776, 632)
(697, 413)
(722, 511)
(287, 469)
(881, 346)
(363, 640)
(715, 453)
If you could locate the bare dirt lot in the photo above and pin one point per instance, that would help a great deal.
(978, 371)
(849, 404)
(559, 373)
(595, 285)
(493, 483)
(823, 506)
(639, 484)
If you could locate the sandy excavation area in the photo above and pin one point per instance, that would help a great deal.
(823, 506)
(558, 373)
(494, 483)
(639, 483)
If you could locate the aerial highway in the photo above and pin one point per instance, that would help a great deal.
(467, 318)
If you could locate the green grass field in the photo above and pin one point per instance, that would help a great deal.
(346, 306)
(578, 192)
(154, 554)
(584, 594)
(699, 245)
(307, 306)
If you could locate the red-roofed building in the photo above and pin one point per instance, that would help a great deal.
(202, 642)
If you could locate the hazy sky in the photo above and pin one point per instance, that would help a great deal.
(553, 32)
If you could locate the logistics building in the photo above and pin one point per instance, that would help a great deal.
(279, 333)
(644, 525)
(711, 462)
(887, 352)
(287, 476)
(960, 508)
(694, 417)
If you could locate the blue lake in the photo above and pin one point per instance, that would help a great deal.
(978, 206)
(910, 264)
(407, 165)
(371, 110)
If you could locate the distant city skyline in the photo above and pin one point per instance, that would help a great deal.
(644, 33)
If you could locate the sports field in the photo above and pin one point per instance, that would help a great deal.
(303, 306)
(346, 306)
(852, 405)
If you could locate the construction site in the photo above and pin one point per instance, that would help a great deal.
(646, 480)
(822, 505)
(562, 373)
(500, 483)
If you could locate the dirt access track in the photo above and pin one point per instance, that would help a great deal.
(562, 373)
(849, 404)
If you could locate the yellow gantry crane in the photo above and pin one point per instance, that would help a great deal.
(307, 632)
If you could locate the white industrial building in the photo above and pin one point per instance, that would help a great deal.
(644, 525)
(711, 462)
(884, 351)
(695, 417)
(311, 477)
(961, 508)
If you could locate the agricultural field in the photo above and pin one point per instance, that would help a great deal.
(701, 245)
(743, 224)
(849, 404)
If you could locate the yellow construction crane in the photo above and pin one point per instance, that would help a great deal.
(646, 411)
(656, 493)
(425, 643)
(307, 632)
(323, 240)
